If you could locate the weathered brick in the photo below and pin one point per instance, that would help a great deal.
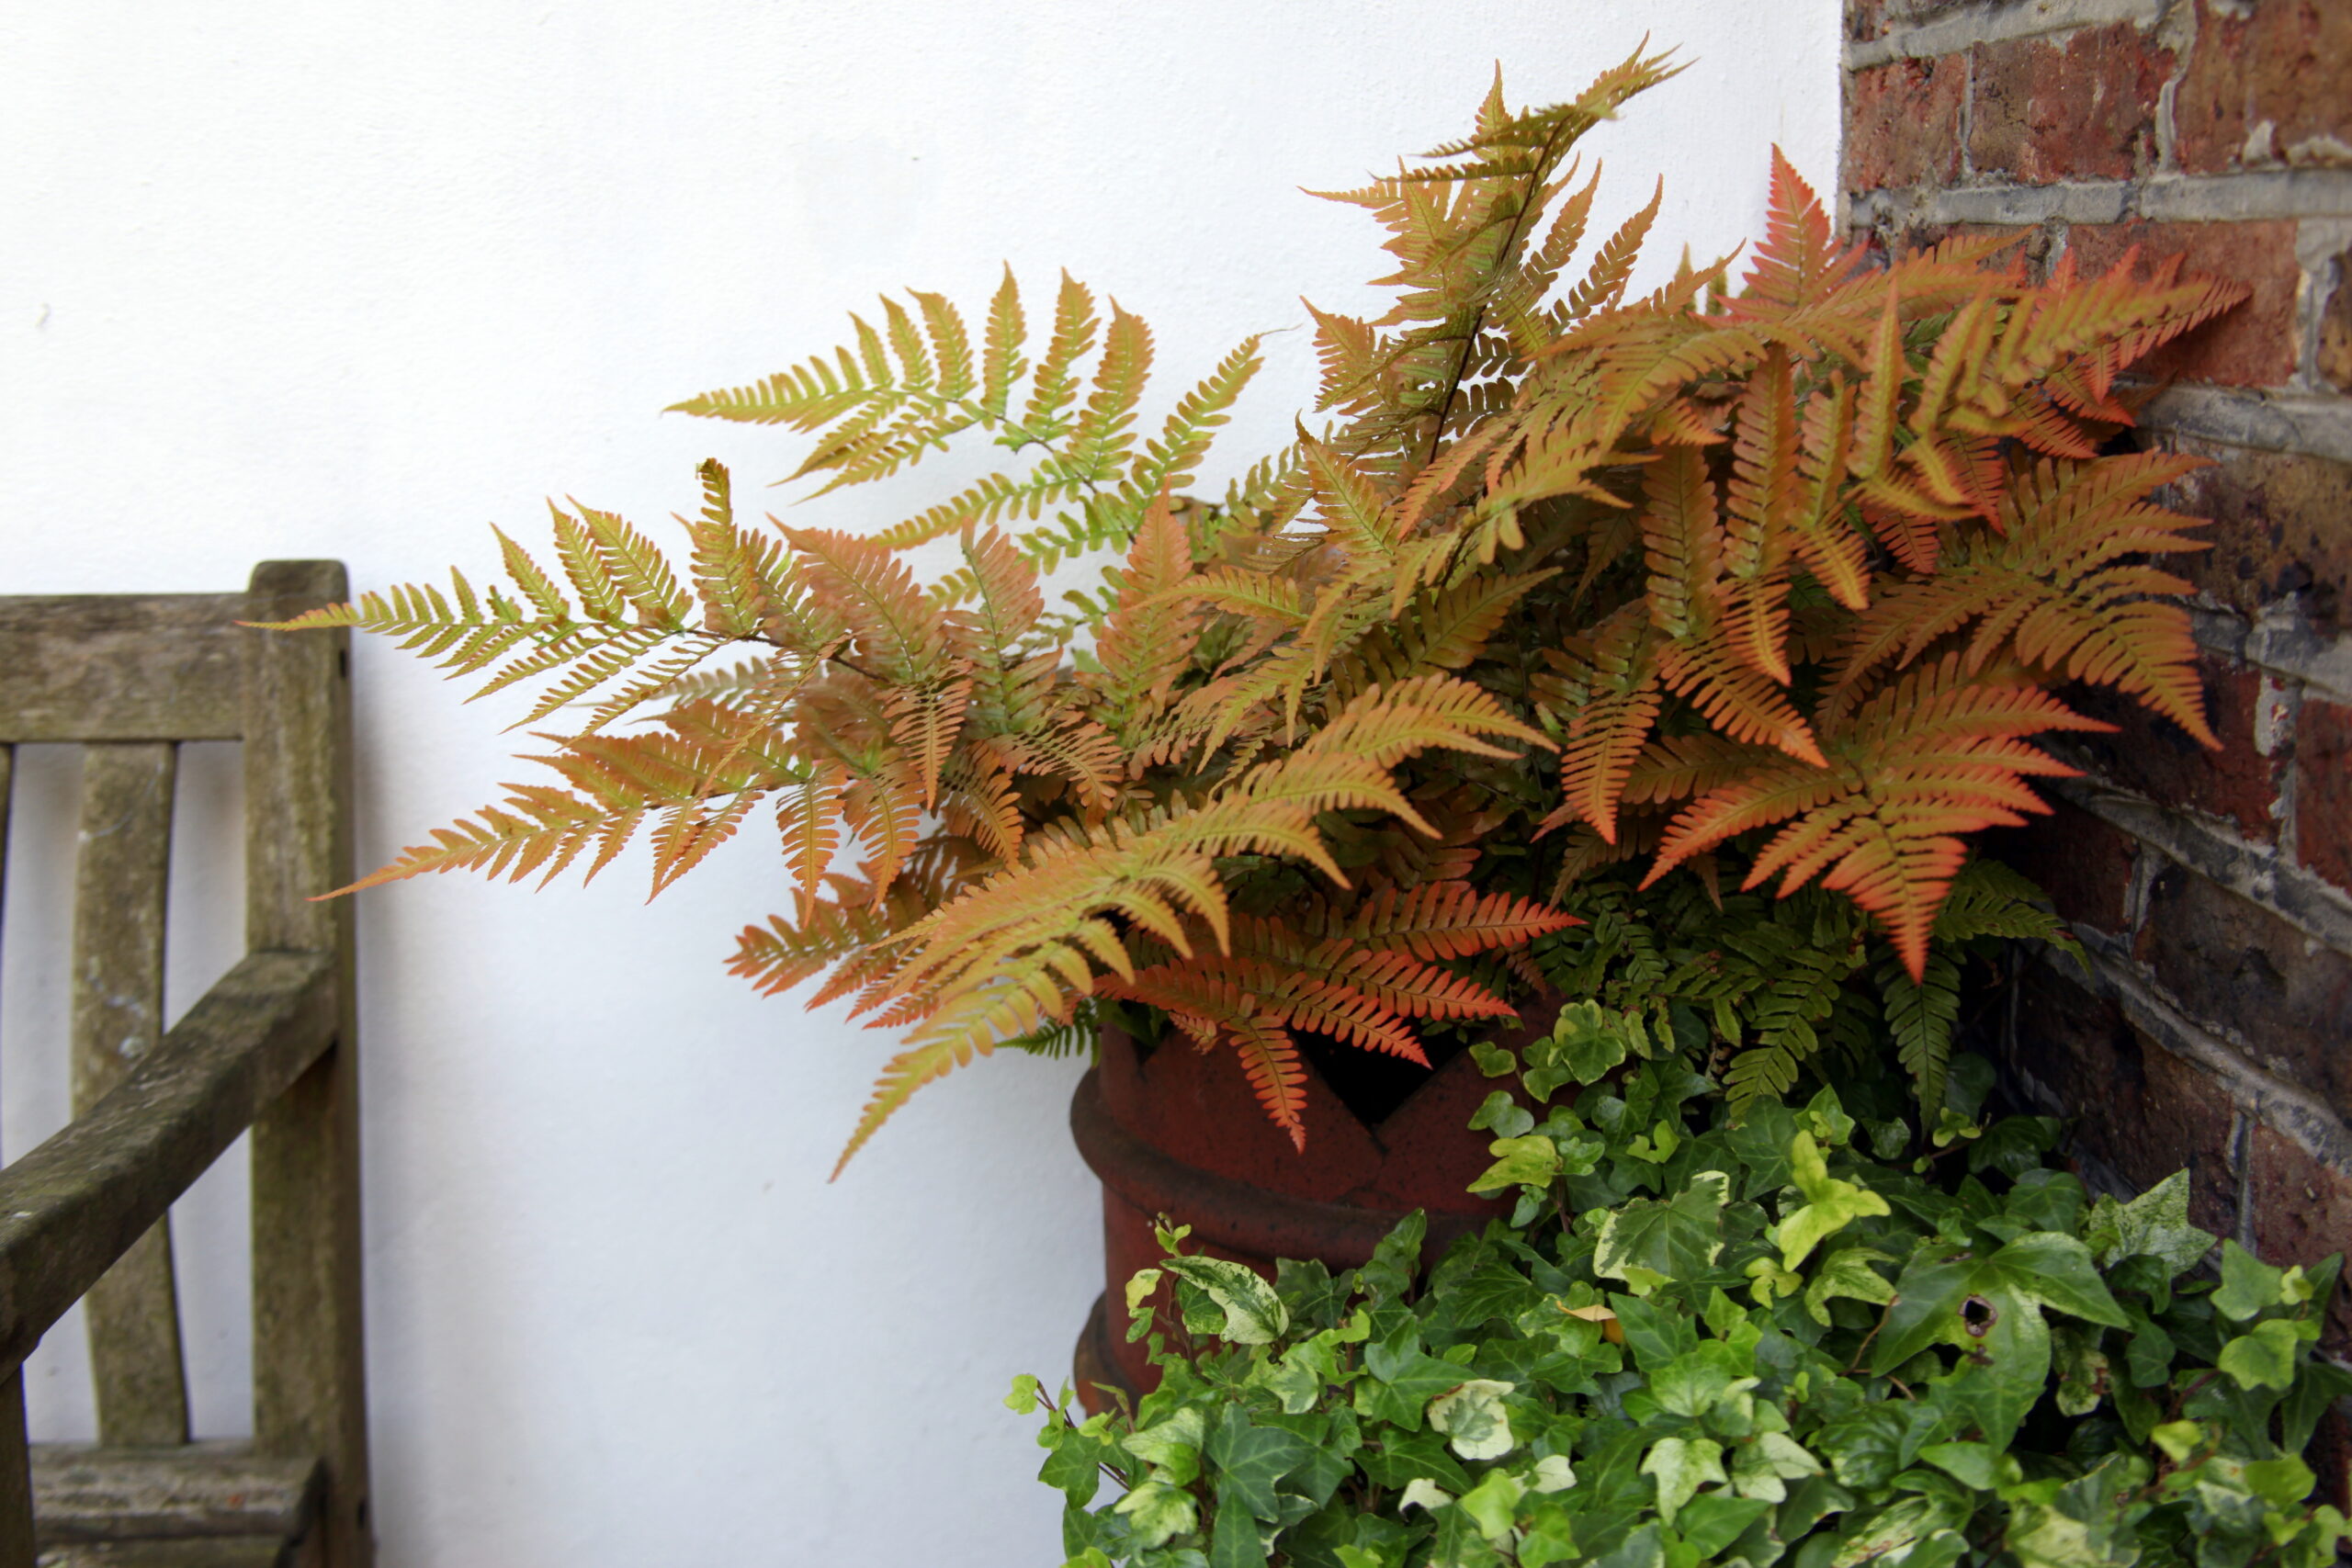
(2083, 109)
(2252, 346)
(2300, 1209)
(2242, 969)
(2282, 65)
(2278, 528)
(1903, 123)
(2083, 863)
(2165, 762)
(1865, 19)
(2335, 364)
(2138, 1108)
(2323, 789)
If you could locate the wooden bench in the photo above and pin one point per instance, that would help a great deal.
(270, 1048)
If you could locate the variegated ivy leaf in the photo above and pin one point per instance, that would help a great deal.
(1173, 1445)
(1139, 1290)
(1682, 1465)
(2081, 1370)
(1671, 1240)
(1763, 1466)
(1253, 1314)
(1423, 1492)
(1157, 1512)
(2155, 1224)
(1474, 1420)
(1553, 1473)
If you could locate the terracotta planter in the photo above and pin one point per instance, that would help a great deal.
(1173, 1131)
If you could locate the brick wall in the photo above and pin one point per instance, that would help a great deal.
(2213, 888)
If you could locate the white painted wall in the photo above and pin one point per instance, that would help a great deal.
(302, 279)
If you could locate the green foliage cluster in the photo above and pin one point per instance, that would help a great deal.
(1801, 1337)
(1753, 988)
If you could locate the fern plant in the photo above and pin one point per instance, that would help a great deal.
(1782, 576)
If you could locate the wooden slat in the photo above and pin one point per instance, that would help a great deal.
(73, 1205)
(120, 667)
(87, 1492)
(120, 885)
(309, 1378)
(15, 1475)
(228, 1552)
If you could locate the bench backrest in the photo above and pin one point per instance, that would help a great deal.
(131, 677)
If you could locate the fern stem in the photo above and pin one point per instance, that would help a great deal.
(1478, 323)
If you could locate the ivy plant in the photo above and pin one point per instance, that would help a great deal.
(1805, 1336)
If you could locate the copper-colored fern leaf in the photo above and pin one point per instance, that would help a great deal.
(1761, 506)
(1271, 1059)
(1146, 642)
(1798, 261)
(775, 956)
(1939, 754)
(808, 819)
(1450, 919)
(884, 809)
(924, 723)
(894, 631)
(1609, 728)
(2064, 587)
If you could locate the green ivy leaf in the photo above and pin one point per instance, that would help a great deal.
(1831, 1205)
(1492, 1502)
(1249, 1459)
(2263, 1356)
(1673, 1239)
(1502, 1115)
(2248, 1284)
(1588, 1041)
(2057, 1270)
(1847, 1272)
(1253, 1314)
(1529, 1161)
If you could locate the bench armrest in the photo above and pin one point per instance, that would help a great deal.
(73, 1205)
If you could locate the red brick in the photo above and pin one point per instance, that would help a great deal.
(2165, 762)
(2083, 863)
(2286, 64)
(2084, 108)
(2251, 345)
(1903, 123)
(2278, 529)
(2323, 789)
(2138, 1108)
(2301, 1213)
(1865, 19)
(2336, 329)
(2237, 967)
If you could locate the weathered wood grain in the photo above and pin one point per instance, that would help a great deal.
(86, 1492)
(70, 1207)
(120, 667)
(120, 883)
(240, 1551)
(310, 1377)
(16, 1476)
(309, 1347)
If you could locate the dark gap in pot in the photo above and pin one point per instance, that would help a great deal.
(1372, 1084)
